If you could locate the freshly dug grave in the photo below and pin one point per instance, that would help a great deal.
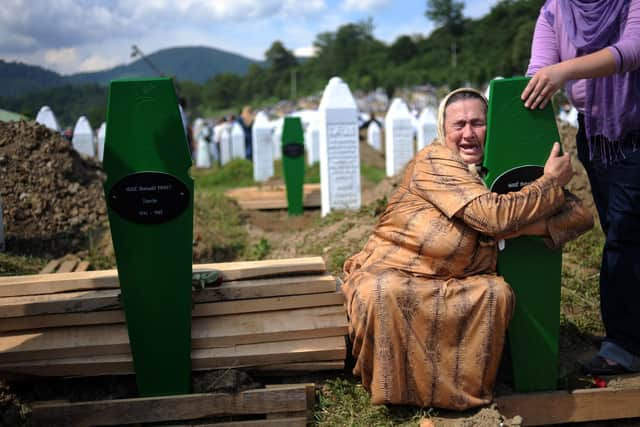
(52, 198)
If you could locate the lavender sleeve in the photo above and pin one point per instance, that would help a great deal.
(627, 50)
(544, 47)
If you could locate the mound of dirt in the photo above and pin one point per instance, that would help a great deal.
(52, 198)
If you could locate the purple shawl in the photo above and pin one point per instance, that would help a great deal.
(612, 107)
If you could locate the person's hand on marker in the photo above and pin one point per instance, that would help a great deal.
(559, 165)
(543, 85)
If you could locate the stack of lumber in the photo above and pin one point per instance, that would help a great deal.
(273, 197)
(66, 264)
(273, 406)
(266, 315)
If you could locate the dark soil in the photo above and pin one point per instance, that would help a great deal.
(52, 198)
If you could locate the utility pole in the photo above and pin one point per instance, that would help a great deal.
(293, 85)
(135, 51)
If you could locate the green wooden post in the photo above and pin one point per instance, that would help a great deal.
(293, 163)
(517, 146)
(150, 204)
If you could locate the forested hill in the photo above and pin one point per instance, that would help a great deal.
(197, 64)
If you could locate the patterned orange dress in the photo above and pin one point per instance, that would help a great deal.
(427, 312)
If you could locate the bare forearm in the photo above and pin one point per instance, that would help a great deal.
(597, 64)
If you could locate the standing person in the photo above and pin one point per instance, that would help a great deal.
(592, 48)
(246, 121)
(427, 311)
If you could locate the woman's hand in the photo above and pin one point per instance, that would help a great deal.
(543, 85)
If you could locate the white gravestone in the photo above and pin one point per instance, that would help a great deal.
(261, 147)
(427, 128)
(225, 144)
(398, 135)
(237, 141)
(486, 91)
(2, 248)
(339, 148)
(47, 118)
(570, 117)
(374, 137)
(203, 156)
(312, 141)
(82, 140)
(102, 132)
(277, 139)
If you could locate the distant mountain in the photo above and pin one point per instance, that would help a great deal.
(196, 64)
(17, 79)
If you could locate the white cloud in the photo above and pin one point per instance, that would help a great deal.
(96, 63)
(58, 57)
(306, 52)
(364, 5)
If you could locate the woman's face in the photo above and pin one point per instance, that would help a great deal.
(465, 128)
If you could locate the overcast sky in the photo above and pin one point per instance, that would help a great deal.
(70, 36)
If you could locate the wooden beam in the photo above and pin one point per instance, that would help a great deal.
(93, 300)
(67, 266)
(170, 408)
(206, 332)
(296, 368)
(560, 407)
(82, 266)
(36, 284)
(102, 317)
(240, 356)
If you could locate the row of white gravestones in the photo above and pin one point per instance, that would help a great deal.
(82, 139)
(339, 148)
(47, 118)
(262, 148)
(201, 134)
(398, 137)
(427, 128)
(1, 228)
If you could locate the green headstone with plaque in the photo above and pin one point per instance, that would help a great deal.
(149, 197)
(517, 146)
(293, 163)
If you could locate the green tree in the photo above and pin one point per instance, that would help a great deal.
(447, 14)
(402, 50)
(279, 57)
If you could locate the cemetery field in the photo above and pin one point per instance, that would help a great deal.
(225, 232)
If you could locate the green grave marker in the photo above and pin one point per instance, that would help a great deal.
(293, 163)
(518, 144)
(150, 204)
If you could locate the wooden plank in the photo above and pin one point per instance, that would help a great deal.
(240, 356)
(170, 408)
(51, 266)
(82, 266)
(580, 405)
(64, 302)
(207, 332)
(41, 321)
(37, 284)
(67, 266)
(295, 368)
(284, 422)
(84, 301)
(117, 316)
(273, 197)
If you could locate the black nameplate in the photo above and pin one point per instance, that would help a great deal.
(515, 179)
(149, 197)
(293, 150)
